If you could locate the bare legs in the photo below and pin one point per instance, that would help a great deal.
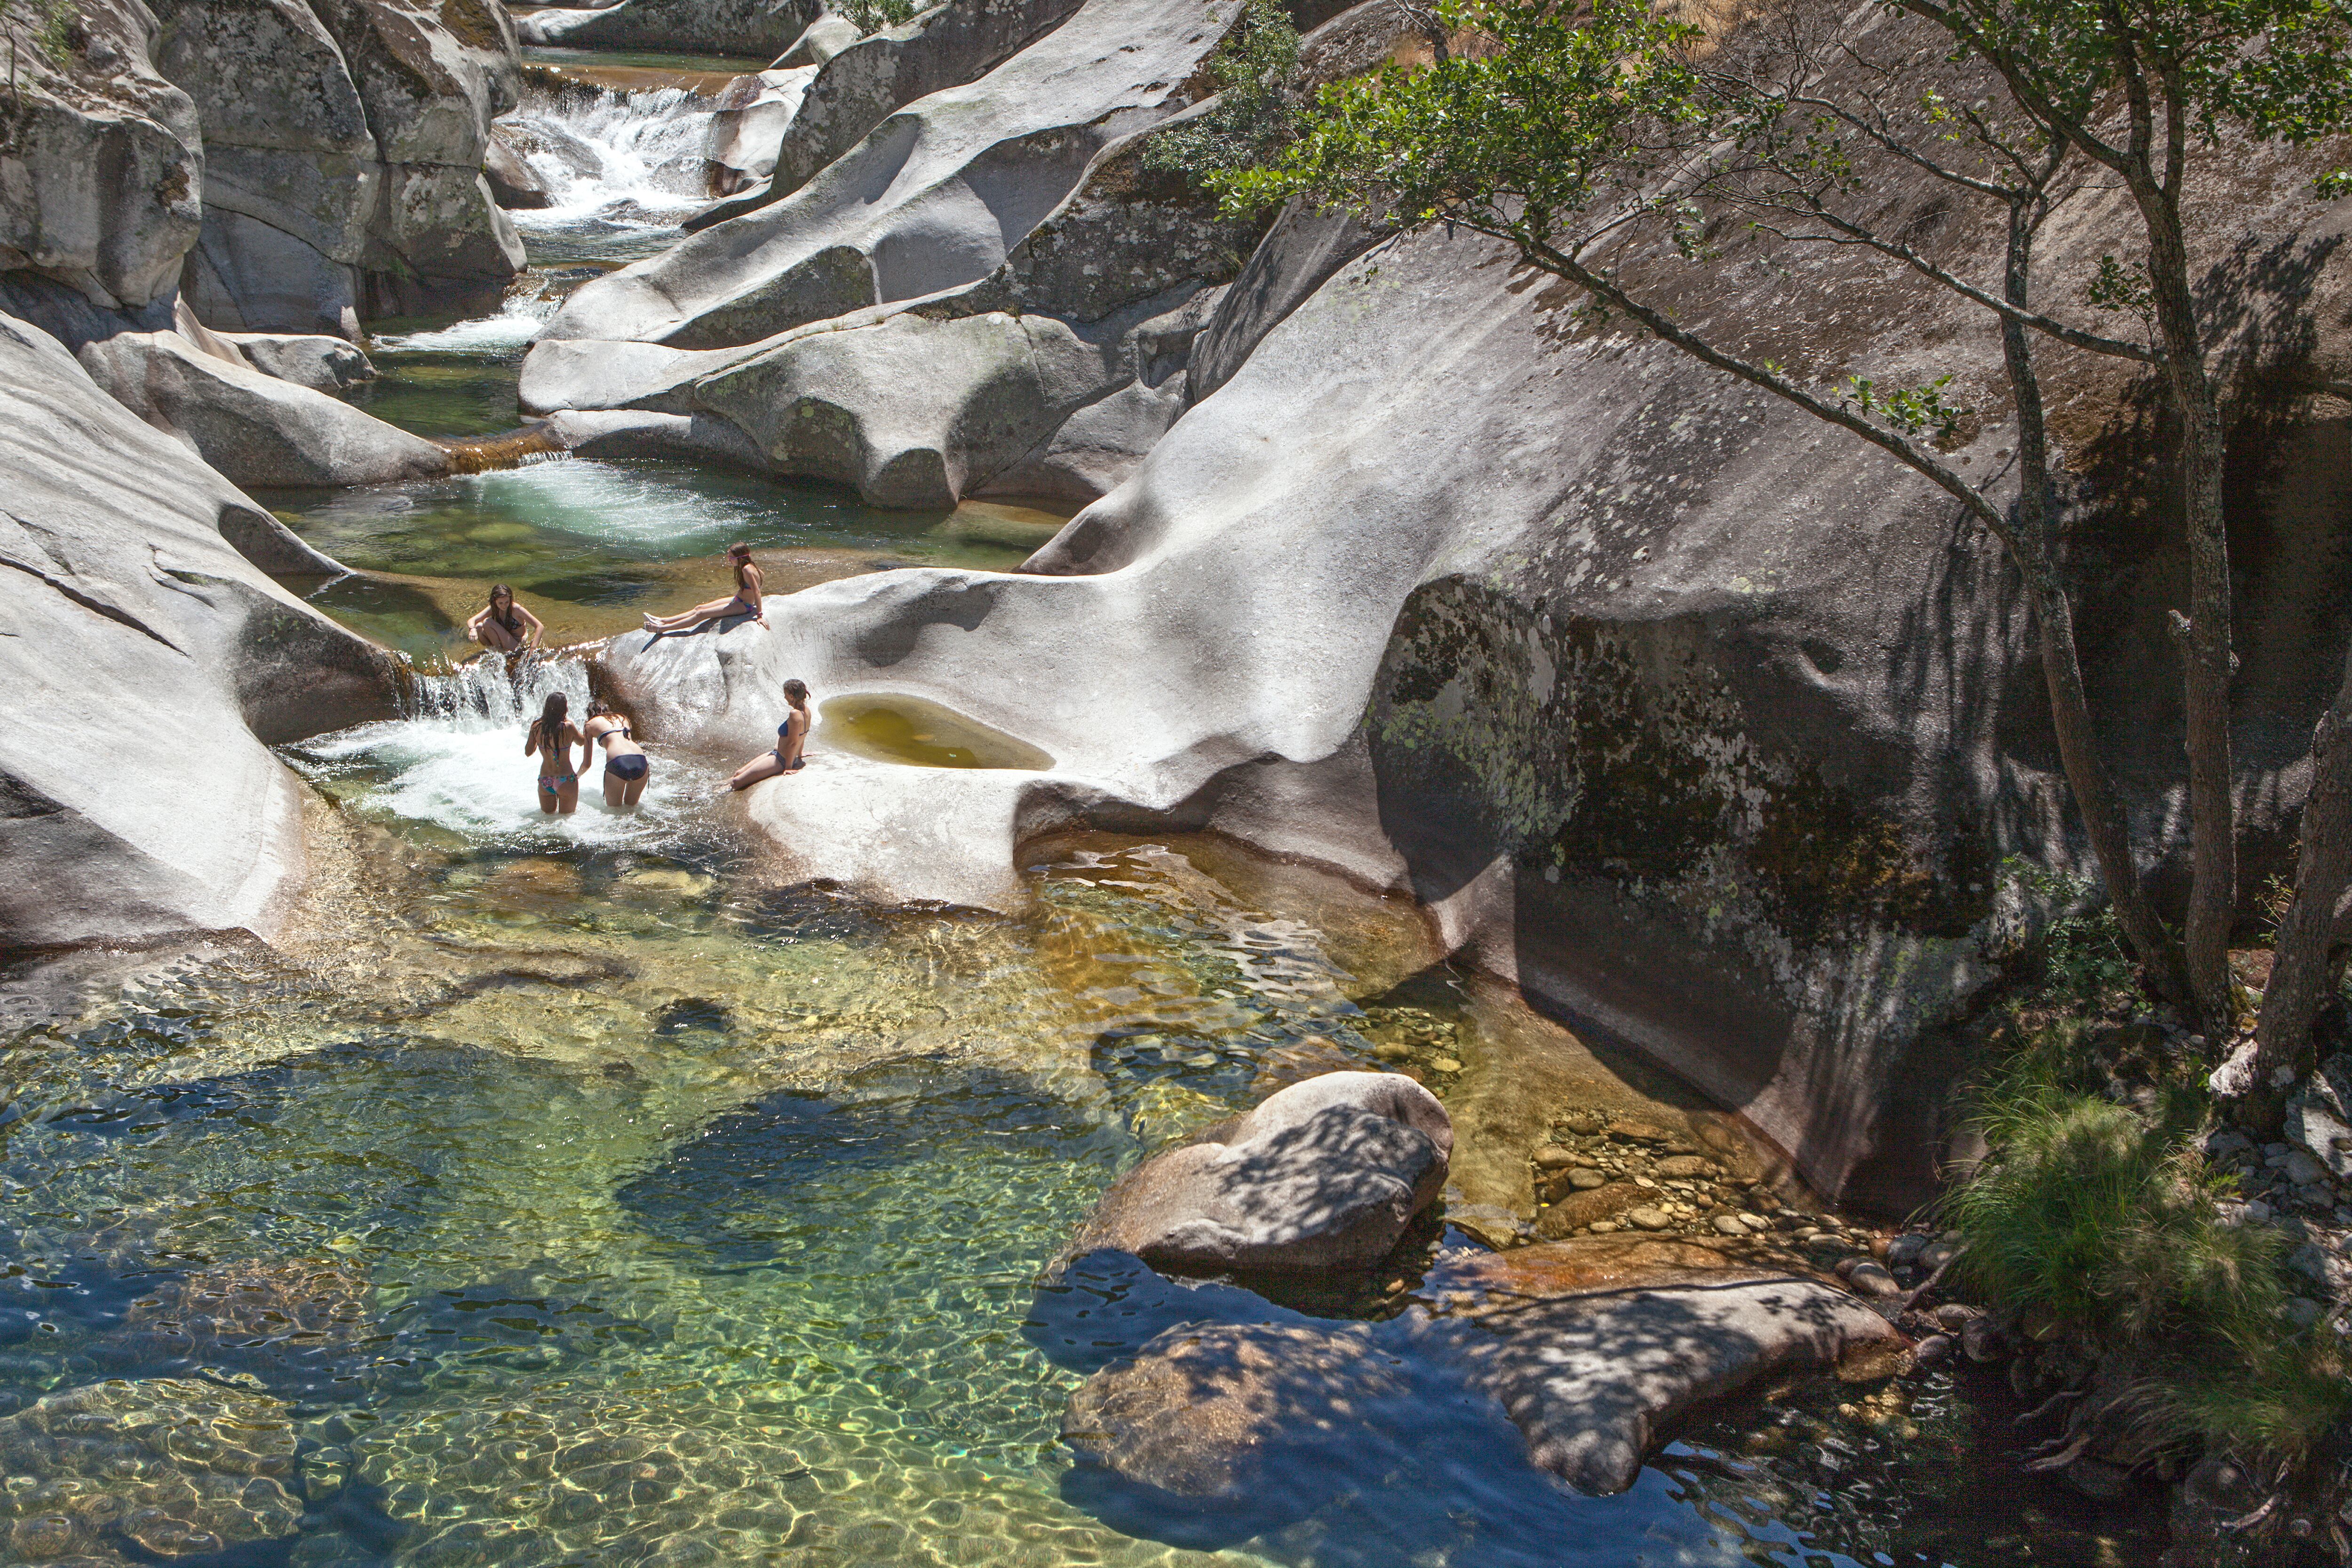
(566, 798)
(766, 765)
(716, 610)
(620, 791)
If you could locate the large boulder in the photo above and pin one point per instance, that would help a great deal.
(101, 169)
(1051, 376)
(1324, 1174)
(761, 27)
(749, 124)
(933, 199)
(152, 658)
(347, 141)
(251, 426)
(864, 81)
(1594, 1350)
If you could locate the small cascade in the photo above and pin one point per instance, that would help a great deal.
(611, 158)
(494, 694)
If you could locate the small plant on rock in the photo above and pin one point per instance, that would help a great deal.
(1255, 71)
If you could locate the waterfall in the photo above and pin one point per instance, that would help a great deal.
(486, 694)
(612, 158)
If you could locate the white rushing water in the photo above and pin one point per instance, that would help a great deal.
(458, 763)
(626, 159)
(517, 323)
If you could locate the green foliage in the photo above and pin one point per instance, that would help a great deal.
(874, 15)
(2086, 963)
(1256, 73)
(2106, 1224)
(2095, 1219)
(1915, 411)
(1515, 141)
(2273, 66)
(2119, 287)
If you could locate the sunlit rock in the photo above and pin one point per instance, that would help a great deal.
(1324, 1174)
(151, 659)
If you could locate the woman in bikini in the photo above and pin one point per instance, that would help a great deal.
(625, 761)
(791, 737)
(746, 601)
(553, 735)
(502, 625)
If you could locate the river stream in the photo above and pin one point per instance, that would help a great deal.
(582, 1197)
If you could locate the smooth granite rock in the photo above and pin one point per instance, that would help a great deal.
(101, 178)
(252, 428)
(748, 125)
(1594, 1350)
(1324, 1174)
(934, 198)
(761, 27)
(151, 659)
(345, 144)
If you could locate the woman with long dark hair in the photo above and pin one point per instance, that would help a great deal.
(745, 601)
(502, 625)
(553, 735)
(625, 765)
(791, 738)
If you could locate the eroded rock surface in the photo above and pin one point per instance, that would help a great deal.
(98, 105)
(151, 660)
(759, 27)
(345, 142)
(1324, 1174)
(932, 199)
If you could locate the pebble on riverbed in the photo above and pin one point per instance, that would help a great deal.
(1601, 1173)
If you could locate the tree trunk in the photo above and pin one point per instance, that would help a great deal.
(2206, 659)
(2300, 975)
(2104, 817)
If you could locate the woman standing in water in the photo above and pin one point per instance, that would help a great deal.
(746, 601)
(625, 761)
(553, 735)
(502, 625)
(791, 736)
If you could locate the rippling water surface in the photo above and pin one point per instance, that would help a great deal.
(564, 1194)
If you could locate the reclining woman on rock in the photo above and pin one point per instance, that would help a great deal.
(625, 761)
(552, 737)
(502, 625)
(791, 737)
(746, 601)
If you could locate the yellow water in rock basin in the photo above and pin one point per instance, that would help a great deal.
(896, 728)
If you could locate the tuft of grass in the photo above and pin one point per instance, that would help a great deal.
(2109, 1225)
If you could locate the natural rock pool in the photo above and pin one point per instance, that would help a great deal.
(564, 1191)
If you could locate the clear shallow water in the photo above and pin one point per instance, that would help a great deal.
(591, 545)
(589, 1202)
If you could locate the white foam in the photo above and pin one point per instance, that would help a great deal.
(626, 159)
(517, 323)
(459, 764)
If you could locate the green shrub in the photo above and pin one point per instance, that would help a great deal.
(1256, 73)
(874, 15)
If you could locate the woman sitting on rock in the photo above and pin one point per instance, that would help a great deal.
(746, 601)
(553, 735)
(502, 625)
(791, 736)
(625, 761)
